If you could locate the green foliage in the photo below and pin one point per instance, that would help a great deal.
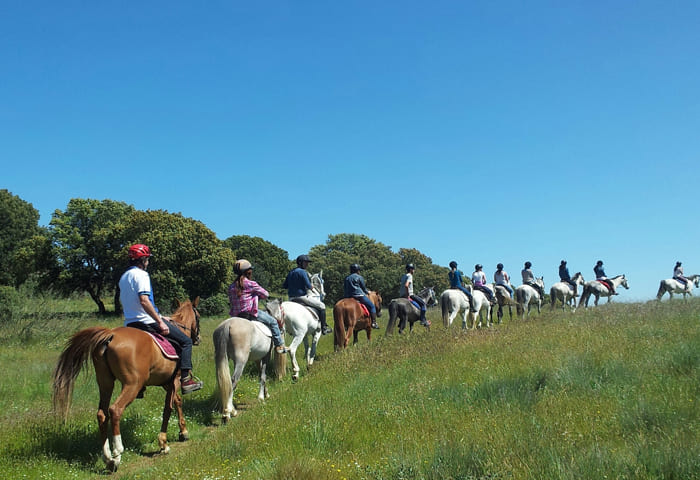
(189, 260)
(9, 301)
(271, 263)
(88, 240)
(214, 306)
(19, 221)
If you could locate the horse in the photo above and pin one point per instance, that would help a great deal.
(404, 310)
(452, 301)
(301, 324)
(564, 292)
(317, 286)
(671, 286)
(241, 340)
(349, 320)
(503, 298)
(131, 356)
(526, 294)
(597, 289)
(481, 301)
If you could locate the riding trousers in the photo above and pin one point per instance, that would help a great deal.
(465, 290)
(313, 303)
(175, 335)
(364, 300)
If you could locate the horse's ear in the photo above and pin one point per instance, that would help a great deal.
(179, 303)
(195, 302)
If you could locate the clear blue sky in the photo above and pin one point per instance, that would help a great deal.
(477, 131)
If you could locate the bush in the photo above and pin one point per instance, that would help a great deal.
(9, 303)
(214, 305)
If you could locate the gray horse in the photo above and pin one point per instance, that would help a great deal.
(405, 311)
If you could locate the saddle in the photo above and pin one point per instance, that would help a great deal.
(312, 310)
(165, 346)
(607, 284)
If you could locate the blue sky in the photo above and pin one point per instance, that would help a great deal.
(477, 131)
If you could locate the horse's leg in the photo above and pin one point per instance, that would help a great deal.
(116, 410)
(293, 352)
(105, 382)
(240, 358)
(262, 393)
(167, 410)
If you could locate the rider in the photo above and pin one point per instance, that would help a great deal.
(298, 285)
(456, 281)
(565, 277)
(678, 274)
(500, 277)
(479, 282)
(243, 297)
(354, 287)
(529, 278)
(136, 296)
(406, 291)
(600, 276)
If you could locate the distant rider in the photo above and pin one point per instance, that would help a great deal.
(565, 277)
(406, 291)
(678, 274)
(529, 278)
(501, 277)
(298, 286)
(457, 281)
(600, 276)
(479, 282)
(354, 287)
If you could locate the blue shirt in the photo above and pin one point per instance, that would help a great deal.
(354, 286)
(297, 283)
(455, 278)
(599, 272)
(564, 273)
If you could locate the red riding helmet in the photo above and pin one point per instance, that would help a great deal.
(139, 250)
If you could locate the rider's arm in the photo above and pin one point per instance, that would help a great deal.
(151, 311)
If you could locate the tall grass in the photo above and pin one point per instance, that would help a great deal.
(610, 392)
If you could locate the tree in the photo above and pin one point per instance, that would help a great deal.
(19, 221)
(87, 240)
(271, 263)
(34, 258)
(189, 260)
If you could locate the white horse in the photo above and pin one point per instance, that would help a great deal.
(526, 294)
(597, 289)
(451, 302)
(241, 340)
(671, 286)
(301, 324)
(481, 302)
(564, 292)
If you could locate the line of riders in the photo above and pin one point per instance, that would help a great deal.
(136, 295)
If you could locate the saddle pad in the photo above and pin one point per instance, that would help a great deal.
(165, 346)
(365, 311)
(605, 284)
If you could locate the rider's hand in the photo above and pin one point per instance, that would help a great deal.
(163, 327)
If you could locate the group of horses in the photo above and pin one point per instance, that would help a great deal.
(131, 356)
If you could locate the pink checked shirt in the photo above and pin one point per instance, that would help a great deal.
(248, 301)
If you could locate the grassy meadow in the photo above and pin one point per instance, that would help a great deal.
(610, 392)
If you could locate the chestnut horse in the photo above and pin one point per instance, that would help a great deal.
(349, 319)
(131, 356)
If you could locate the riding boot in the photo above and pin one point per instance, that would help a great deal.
(424, 321)
(373, 316)
(325, 329)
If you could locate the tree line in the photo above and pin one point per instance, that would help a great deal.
(84, 249)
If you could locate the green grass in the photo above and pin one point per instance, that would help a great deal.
(611, 392)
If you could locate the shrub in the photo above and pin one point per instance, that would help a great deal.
(9, 303)
(214, 305)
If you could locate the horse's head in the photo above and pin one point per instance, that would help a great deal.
(428, 294)
(274, 308)
(317, 284)
(623, 282)
(187, 318)
(696, 280)
(540, 282)
(578, 279)
(377, 301)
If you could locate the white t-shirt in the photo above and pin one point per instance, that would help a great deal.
(134, 283)
(407, 277)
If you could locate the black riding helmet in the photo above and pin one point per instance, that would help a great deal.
(528, 264)
(499, 266)
(354, 268)
(410, 266)
(453, 264)
(478, 266)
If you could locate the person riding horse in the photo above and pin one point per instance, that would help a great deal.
(406, 291)
(457, 282)
(529, 278)
(564, 276)
(479, 282)
(243, 297)
(354, 287)
(601, 277)
(298, 285)
(678, 274)
(136, 296)
(501, 277)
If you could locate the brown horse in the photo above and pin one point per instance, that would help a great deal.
(131, 356)
(349, 319)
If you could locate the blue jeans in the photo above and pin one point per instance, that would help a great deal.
(466, 292)
(507, 287)
(176, 335)
(364, 300)
(271, 322)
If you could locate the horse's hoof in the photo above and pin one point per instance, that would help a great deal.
(295, 378)
(184, 436)
(224, 420)
(165, 450)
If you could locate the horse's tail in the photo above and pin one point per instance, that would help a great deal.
(338, 326)
(584, 296)
(223, 373)
(280, 364)
(445, 309)
(662, 290)
(552, 296)
(393, 313)
(73, 358)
